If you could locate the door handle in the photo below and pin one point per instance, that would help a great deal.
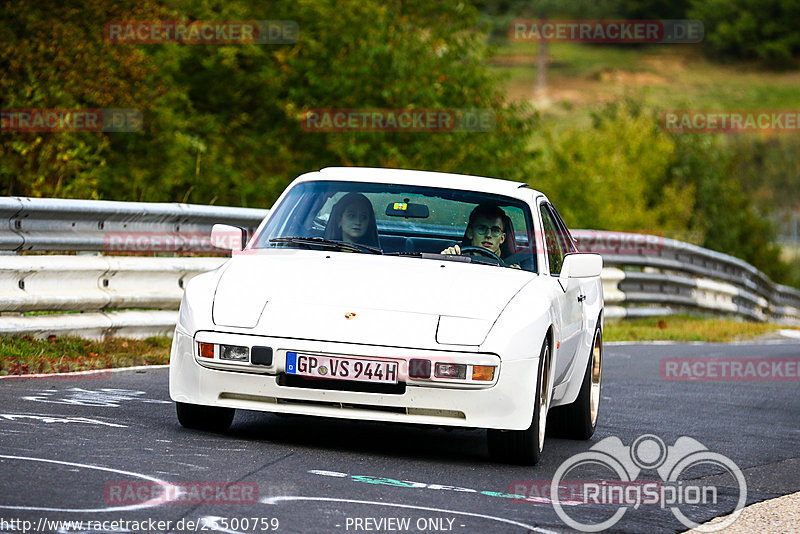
(581, 298)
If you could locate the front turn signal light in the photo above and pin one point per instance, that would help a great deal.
(206, 350)
(483, 372)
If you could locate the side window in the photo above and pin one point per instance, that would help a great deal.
(566, 238)
(552, 240)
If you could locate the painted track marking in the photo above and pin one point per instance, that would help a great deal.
(278, 499)
(130, 507)
(57, 419)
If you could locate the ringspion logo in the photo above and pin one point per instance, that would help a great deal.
(679, 487)
(572, 492)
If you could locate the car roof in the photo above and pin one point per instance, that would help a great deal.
(424, 178)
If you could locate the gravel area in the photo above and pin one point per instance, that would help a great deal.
(781, 515)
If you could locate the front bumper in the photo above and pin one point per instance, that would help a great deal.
(505, 403)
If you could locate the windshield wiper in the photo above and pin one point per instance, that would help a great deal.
(444, 257)
(330, 243)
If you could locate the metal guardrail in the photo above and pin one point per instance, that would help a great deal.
(96, 283)
(654, 272)
(52, 224)
(116, 296)
(135, 296)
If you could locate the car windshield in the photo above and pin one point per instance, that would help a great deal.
(401, 220)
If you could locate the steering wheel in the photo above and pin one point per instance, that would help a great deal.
(485, 252)
(522, 255)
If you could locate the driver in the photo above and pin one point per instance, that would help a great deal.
(488, 228)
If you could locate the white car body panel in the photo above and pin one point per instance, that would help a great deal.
(495, 407)
(570, 316)
(291, 297)
(297, 300)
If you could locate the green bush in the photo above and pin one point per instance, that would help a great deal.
(613, 176)
(750, 29)
(624, 173)
(222, 122)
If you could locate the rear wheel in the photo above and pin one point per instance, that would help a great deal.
(525, 446)
(211, 418)
(578, 420)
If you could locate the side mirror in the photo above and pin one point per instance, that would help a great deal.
(580, 265)
(228, 237)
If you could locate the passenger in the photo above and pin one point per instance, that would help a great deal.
(352, 220)
(490, 228)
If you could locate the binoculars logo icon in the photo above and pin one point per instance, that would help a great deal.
(648, 453)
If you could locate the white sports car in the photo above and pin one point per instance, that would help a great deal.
(399, 296)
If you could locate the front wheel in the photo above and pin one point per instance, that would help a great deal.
(524, 447)
(211, 418)
(578, 420)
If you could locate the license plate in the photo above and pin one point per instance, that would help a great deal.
(339, 368)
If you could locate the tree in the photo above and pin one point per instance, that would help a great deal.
(542, 11)
(626, 174)
(222, 123)
(245, 103)
(654, 9)
(751, 29)
(411, 54)
(54, 57)
(613, 176)
(724, 211)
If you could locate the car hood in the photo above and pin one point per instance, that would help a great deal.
(312, 294)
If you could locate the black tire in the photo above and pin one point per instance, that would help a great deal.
(210, 418)
(524, 447)
(578, 420)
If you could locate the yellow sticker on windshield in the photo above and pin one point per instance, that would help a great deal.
(402, 206)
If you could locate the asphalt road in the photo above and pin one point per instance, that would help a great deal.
(109, 448)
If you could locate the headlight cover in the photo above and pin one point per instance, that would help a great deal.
(462, 331)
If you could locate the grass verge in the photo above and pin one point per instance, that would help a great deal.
(24, 355)
(582, 77)
(685, 328)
